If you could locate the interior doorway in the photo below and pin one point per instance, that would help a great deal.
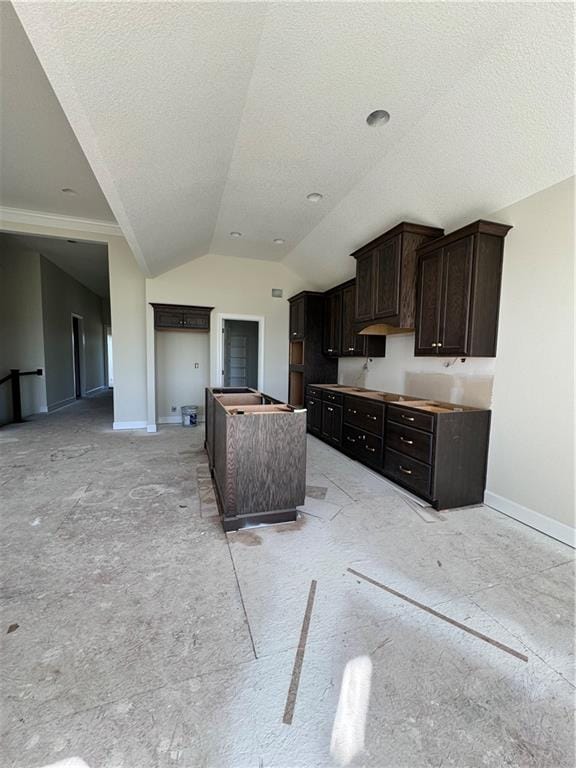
(240, 354)
(76, 346)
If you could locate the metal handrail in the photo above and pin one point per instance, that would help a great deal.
(14, 378)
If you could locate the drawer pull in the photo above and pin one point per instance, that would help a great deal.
(434, 344)
(368, 416)
(407, 418)
(405, 440)
(439, 344)
(331, 409)
(350, 439)
(350, 410)
(372, 450)
(350, 349)
(294, 333)
(403, 469)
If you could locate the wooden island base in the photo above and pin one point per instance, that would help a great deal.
(256, 450)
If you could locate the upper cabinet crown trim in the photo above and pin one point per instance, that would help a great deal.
(480, 227)
(404, 226)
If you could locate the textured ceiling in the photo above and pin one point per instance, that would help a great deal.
(84, 261)
(199, 119)
(39, 154)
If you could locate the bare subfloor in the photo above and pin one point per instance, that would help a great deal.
(135, 634)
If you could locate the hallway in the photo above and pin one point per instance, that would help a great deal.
(135, 634)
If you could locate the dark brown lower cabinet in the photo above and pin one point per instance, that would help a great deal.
(332, 423)
(314, 411)
(257, 454)
(437, 451)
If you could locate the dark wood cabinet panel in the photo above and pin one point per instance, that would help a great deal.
(455, 306)
(307, 363)
(352, 343)
(428, 309)
(463, 318)
(332, 423)
(333, 324)
(180, 317)
(364, 287)
(297, 318)
(387, 278)
(314, 414)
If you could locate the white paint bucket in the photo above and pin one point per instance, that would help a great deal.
(189, 415)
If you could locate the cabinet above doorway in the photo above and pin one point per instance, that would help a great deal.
(181, 317)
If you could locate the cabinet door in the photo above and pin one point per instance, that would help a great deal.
(333, 324)
(332, 423)
(314, 415)
(297, 319)
(428, 304)
(387, 278)
(352, 344)
(364, 287)
(456, 291)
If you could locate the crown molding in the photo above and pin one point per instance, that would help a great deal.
(41, 219)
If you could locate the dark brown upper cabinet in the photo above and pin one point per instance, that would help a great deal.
(181, 317)
(333, 323)
(386, 279)
(340, 336)
(458, 292)
(297, 318)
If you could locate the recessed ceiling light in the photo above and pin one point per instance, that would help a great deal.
(235, 234)
(378, 117)
(314, 197)
(278, 241)
(68, 191)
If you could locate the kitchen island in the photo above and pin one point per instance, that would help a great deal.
(256, 448)
(436, 450)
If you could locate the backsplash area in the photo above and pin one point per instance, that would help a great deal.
(466, 383)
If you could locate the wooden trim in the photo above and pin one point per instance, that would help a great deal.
(476, 228)
(405, 226)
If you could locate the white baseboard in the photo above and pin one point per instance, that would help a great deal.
(151, 428)
(175, 420)
(540, 522)
(95, 389)
(60, 404)
(129, 425)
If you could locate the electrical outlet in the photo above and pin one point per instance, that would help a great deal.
(196, 365)
(173, 408)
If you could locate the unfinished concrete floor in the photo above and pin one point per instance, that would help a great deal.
(135, 634)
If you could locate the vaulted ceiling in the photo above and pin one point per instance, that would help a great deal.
(202, 119)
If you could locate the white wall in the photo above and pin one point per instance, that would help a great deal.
(531, 460)
(531, 468)
(178, 381)
(63, 296)
(236, 286)
(21, 337)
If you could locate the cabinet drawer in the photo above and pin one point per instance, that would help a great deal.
(362, 445)
(314, 393)
(411, 418)
(333, 397)
(413, 474)
(410, 442)
(364, 414)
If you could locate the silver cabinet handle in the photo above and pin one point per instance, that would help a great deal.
(294, 333)
(439, 344)
(350, 410)
(372, 450)
(368, 416)
(434, 344)
(331, 409)
(403, 469)
(350, 349)
(405, 440)
(350, 439)
(407, 418)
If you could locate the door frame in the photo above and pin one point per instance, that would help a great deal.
(81, 350)
(218, 377)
